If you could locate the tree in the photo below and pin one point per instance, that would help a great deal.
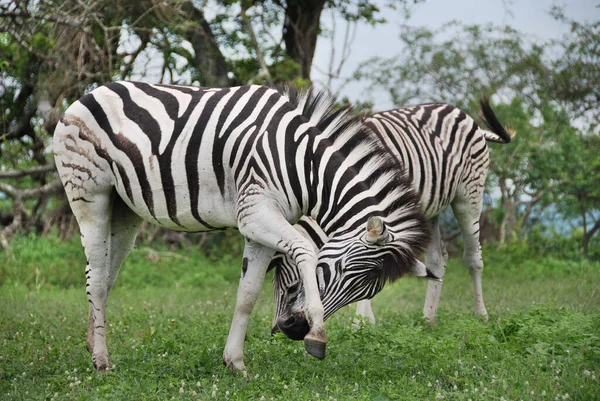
(52, 52)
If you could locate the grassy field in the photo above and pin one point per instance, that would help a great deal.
(170, 313)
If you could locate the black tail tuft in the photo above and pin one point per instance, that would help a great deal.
(490, 119)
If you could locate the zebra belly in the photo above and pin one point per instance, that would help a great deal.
(211, 213)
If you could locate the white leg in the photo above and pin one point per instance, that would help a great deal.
(260, 221)
(254, 266)
(123, 229)
(467, 214)
(432, 300)
(364, 310)
(93, 216)
(436, 263)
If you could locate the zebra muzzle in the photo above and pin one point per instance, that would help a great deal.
(295, 326)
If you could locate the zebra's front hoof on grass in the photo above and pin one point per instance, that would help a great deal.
(315, 347)
(102, 363)
(236, 367)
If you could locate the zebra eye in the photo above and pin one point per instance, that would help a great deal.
(293, 288)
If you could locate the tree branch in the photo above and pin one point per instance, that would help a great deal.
(28, 171)
(259, 55)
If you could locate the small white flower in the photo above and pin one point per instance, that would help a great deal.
(586, 372)
(197, 384)
(439, 396)
(364, 372)
(566, 396)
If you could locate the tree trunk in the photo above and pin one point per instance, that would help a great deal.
(208, 59)
(503, 201)
(587, 236)
(300, 31)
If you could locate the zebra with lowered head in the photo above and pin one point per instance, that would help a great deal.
(251, 158)
(445, 156)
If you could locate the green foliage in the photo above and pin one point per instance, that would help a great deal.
(166, 336)
(38, 262)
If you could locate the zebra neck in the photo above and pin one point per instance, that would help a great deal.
(340, 206)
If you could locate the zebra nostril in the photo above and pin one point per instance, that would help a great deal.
(295, 326)
(289, 321)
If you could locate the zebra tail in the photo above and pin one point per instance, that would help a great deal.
(499, 133)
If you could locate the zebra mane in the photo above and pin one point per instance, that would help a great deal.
(322, 111)
(380, 170)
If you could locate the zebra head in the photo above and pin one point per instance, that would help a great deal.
(348, 270)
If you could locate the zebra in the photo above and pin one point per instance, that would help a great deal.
(249, 158)
(445, 155)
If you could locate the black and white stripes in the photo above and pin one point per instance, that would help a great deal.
(444, 154)
(197, 159)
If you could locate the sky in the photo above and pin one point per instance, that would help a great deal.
(529, 16)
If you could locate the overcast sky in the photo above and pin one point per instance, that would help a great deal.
(529, 16)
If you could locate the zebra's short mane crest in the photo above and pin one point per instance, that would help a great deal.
(322, 111)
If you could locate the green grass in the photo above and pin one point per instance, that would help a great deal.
(170, 313)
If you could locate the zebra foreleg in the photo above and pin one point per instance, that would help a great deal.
(260, 221)
(254, 267)
(435, 261)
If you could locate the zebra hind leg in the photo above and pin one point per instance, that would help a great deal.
(93, 216)
(364, 313)
(436, 262)
(124, 225)
(468, 214)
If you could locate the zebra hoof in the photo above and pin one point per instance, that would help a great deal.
(315, 348)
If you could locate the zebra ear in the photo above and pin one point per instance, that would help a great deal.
(376, 232)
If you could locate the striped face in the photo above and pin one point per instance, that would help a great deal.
(348, 270)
